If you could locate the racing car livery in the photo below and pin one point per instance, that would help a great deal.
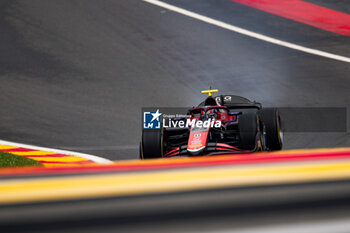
(221, 124)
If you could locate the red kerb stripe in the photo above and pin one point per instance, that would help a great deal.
(16, 150)
(58, 162)
(49, 155)
(304, 12)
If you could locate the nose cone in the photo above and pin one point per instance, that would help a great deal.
(195, 151)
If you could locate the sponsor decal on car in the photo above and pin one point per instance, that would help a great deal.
(196, 142)
(196, 146)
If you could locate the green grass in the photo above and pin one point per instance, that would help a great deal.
(10, 160)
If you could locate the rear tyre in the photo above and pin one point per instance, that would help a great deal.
(151, 144)
(248, 125)
(274, 134)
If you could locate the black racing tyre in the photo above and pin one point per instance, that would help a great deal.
(248, 125)
(151, 145)
(274, 133)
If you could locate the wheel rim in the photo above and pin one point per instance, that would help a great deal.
(263, 139)
(279, 129)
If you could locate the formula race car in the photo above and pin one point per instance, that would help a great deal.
(221, 124)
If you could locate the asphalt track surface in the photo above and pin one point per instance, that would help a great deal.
(75, 74)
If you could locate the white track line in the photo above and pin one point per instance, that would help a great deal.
(248, 33)
(94, 158)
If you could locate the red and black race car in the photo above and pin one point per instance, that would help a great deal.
(221, 124)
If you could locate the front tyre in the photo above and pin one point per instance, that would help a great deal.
(151, 145)
(274, 133)
(248, 125)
